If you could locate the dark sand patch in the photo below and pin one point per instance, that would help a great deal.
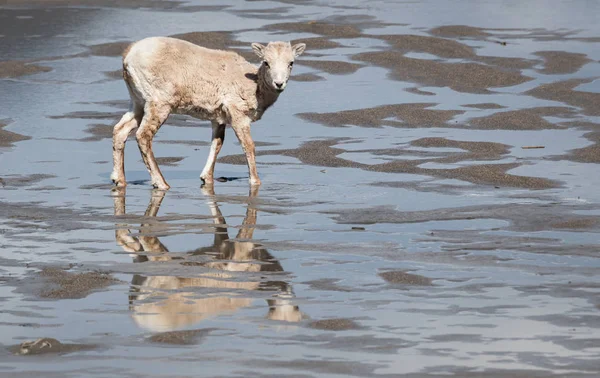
(338, 26)
(7, 138)
(99, 131)
(327, 284)
(589, 154)
(562, 62)
(459, 31)
(48, 345)
(564, 91)
(441, 47)
(318, 43)
(336, 324)
(418, 91)
(317, 27)
(109, 49)
(408, 115)
(276, 13)
(319, 153)
(16, 68)
(493, 174)
(503, 63)
(332, 66)
(67, 285)
(524, 119)
(322, 154)
(403, 278)
(576, 224)
(472, 151)
(187, 337)
(461, 77)
(501, 35)
(450, 49)
(484, 105)
(170, 161)
(475, 150)
(307, 77)
(19, 181)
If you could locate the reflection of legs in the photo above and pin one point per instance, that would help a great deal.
(142, 243)
(122, 232)
(247, 229)
(218, 136)
(154, 117)
(220, 235)
(153, 243)
(121, 131)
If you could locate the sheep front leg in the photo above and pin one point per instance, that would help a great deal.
(218, 136)
(242, 131)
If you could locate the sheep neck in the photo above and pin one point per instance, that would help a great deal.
(265, 94)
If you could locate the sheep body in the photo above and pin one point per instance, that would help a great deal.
(167, 75)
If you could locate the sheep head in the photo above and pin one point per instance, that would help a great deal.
(277, 61)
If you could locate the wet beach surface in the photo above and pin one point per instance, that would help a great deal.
(429, 204)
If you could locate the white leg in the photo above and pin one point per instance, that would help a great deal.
(218, 136)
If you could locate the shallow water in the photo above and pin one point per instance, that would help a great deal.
(409, 240)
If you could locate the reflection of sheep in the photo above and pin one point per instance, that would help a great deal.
(159, 304)
(167, 75)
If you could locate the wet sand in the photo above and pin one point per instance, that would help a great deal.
(188, 337)
(7, 138)
(59, 284)
(408, 115)
(11, 69)
(429, 202)
(461, 77)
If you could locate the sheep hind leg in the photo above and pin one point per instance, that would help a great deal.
(154, 117)
(218, 136)
(121, 131)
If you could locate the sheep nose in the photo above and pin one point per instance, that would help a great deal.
(279, 84)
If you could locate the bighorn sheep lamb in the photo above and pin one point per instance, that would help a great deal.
(168, 75)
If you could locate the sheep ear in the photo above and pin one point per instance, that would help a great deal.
(298, 49)
(259, 50)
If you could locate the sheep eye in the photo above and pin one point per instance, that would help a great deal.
(266, 64)
(291, 64)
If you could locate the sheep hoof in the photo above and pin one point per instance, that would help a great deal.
(119, 183)
(163, 186)
(206, 180)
